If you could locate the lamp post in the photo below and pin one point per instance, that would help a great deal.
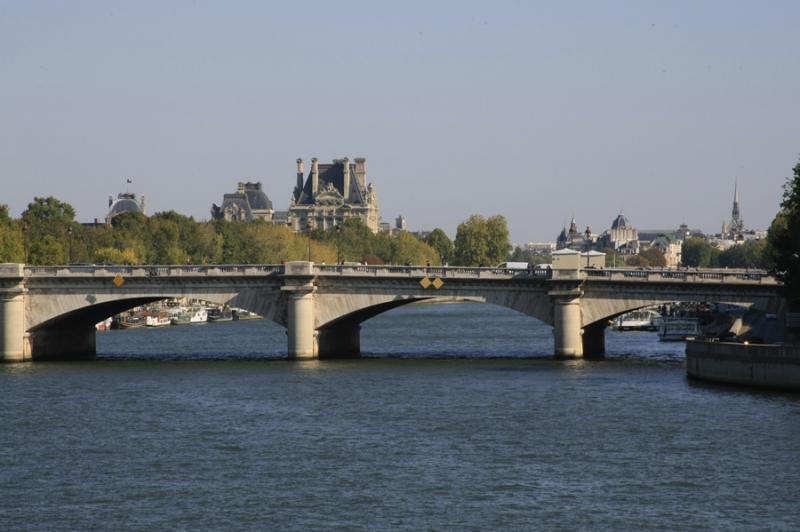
(337, 232)
(69, 244)
(25, 242)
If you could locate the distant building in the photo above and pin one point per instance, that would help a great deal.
(540, 248)
(670, 247)
(331, 194)
(248, 203)
(573, 239)
(735, 229)
(622, 237)
(125, 202)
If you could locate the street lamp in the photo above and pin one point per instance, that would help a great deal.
(25, 242)
(338, 231)
(69, 244)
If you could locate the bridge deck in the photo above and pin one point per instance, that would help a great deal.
(734, 276)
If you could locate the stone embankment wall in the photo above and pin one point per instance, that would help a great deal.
(762, 365)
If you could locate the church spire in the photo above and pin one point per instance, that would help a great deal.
(737, 224)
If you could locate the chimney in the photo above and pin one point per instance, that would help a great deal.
(141, 204)
(110, 200)
(240, 188)
(361, 172)
(300, 172)
(314, 177)
(346, 185)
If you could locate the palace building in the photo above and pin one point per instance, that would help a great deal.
(332, 193)
(125, 202)
(248, 203)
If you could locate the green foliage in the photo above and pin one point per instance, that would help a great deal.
(482, 242)
(614, 259)
(783, 241)
(48, 225)
(697, 253)
(439, 241)
(11, 240)
(354, 242)
(750, 254)
(523, 255)
(115, 256)
(403, 248)
(654, 258)
(499, 243)
(650, 258)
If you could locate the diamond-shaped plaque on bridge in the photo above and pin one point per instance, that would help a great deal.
(425, 282)
(437, 283)
(118, 280)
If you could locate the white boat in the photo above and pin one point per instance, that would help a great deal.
(190, 316)
(157, 321)
(638, 320)
(678, 329)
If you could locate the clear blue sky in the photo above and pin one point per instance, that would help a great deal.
(532, 110)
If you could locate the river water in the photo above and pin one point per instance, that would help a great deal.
(454, 419)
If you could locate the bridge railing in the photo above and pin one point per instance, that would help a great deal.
(687, 275)
(153, 270)
(444, 272)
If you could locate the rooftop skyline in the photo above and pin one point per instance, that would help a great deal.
(534, 111)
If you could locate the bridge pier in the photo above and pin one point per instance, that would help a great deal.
(594, 340)
(343, 341)
(12, 313)
(300, 318)
(567, 324)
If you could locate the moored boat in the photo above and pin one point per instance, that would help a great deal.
(678, 329)
(217, 315)
(128, 322)
(638, 320)
(157, 321)
(192, 316)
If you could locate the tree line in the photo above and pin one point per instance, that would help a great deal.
(47, 234)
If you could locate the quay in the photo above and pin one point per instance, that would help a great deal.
(757, 365)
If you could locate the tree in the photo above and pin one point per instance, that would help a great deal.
(783, 241)
(471, 245)
(697, 253)
(439, 241)
(523, 255)
(499, 244)
(482, 242)
(654, 258)
(48, 225)
(11, 238)
(749, 254)
(407, 249)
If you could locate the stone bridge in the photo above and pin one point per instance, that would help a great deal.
(50, 312)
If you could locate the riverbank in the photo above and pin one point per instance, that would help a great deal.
(759, 365)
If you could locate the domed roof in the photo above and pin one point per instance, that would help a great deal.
(124, 203)
(621, 222)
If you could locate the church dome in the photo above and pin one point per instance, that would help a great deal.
(621, 222)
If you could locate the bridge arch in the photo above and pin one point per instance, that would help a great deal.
(338, 319)
(68, 330)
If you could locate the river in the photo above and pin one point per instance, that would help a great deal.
(455, 418)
